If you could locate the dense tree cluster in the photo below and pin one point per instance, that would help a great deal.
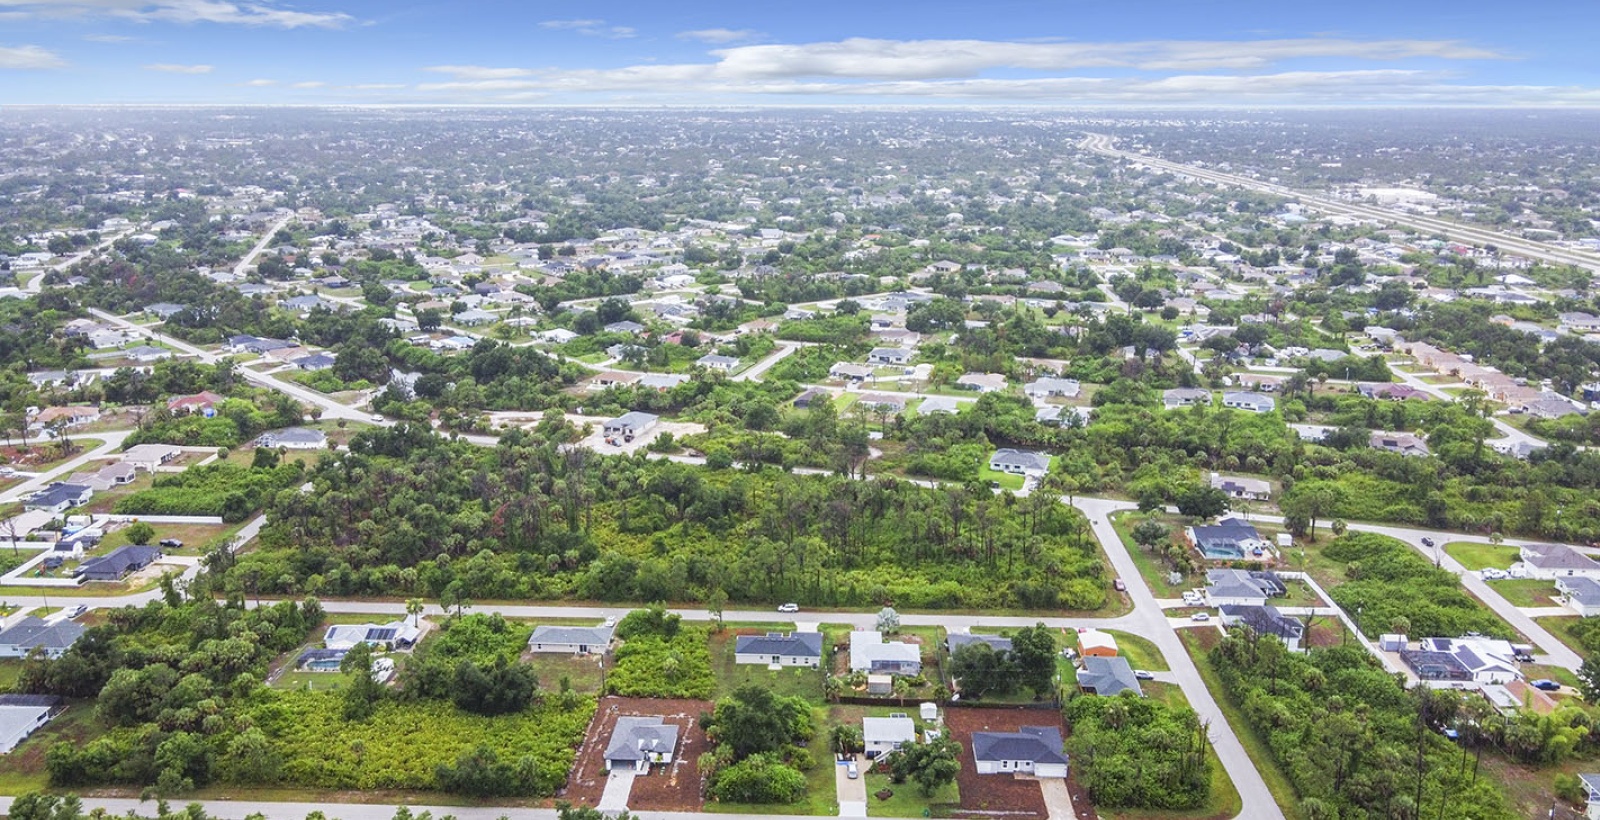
(1132, 752)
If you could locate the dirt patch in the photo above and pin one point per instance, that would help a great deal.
(996, 796)
(666, 788)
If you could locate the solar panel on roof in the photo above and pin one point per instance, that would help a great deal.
(385, 633)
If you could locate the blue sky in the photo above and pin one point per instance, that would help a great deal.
(1056, 53)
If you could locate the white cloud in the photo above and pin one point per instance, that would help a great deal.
(376, 86)
(309, 84)
(258, 13)
(260, 83)
(108, 38)
(31, 57)
(478, 72)
(719, 35)
(590, 28)
(927, 59)
(173, 68)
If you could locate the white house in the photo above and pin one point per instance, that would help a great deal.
(21, 715)
(1254, 489)
(148, 457)
(295, 438)
(1253, 402)
(982, 382)
(570, 640)
(849, 371)
(1550, 561)
(1019, 462)
(629, 425)
(889, 356)
(53, 638)
(1035, 750)
(724, 364)
(779, 649)
(1048, 387)
(885, 734)
(1581, 594)
(1185, 397)
(639, 741)
(393, 635)
(1591, 790)
(869, 652)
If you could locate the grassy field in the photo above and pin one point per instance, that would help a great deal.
(582, 671)
(1150, 567)
(1141, 653)
(1475, 556)
(1561, 627)
(907, 800)
(1277, 782)
(801, 681)
(311, 681)
(10, 671)
(1526, 592)
(24, 768)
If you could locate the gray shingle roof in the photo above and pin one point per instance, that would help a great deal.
(1108, 676)
(799, 644)
(635, 737)
(573, 635)
(1040, 744)
(31, 632)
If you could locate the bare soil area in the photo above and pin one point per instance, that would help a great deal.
(666, 788)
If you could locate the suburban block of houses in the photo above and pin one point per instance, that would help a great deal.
(1550, 561)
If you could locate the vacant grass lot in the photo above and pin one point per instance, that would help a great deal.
(907, 800)
(1476, 556)
(1526, 592)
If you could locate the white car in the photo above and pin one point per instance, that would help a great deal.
(790, 607)
(1492, 574)
(1200, 616)
(75, 611)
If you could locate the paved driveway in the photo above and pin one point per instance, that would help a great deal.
(852, 793)
(1057, 800)
(618, 786)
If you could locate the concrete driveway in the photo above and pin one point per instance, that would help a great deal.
(1057, 800)
(619, 785)
(852, 793)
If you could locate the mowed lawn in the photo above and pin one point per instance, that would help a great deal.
(789, 681)
(1526, 592)
(1476, 556)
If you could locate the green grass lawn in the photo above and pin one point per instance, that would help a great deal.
(1561, 627)
(24, 768)
(1277, 782)
(581, 671)
(311, 681)
(1141, 653)
(801, 681)
(1478, 556)
(907, 800)
(1150, 567)
(10, 671)
(1007, 481)
(1526, 592)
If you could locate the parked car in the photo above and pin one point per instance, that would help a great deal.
(851, 770)
(1120, 585)
(1069, 653)
(1427, 542)
(1522, 657)
(171, 543)
(1143, 675)
(611, 620)
(377, 418)
(1492, 574)
(75, 611)
(790, 607)
(1545, 684)
(1200, 616)
(1193, 598)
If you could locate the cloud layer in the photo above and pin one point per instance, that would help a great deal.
(177, 11)
(172, 68)
(29, 57)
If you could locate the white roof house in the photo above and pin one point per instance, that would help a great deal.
(885, 734)
(869, 652)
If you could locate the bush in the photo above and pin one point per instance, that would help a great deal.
(648, 666)
(761, 778)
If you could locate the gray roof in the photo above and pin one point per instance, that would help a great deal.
(798, 644)
(57, 493)
(635, 737)
(1585, 591)
(1265, 620)
(888, 730)
(298, 435)
(1560, 556)
(938, 404)
(31, 632)
(995, 642)
(571, 635)
(633, 419)
(120, 560)
(1026, 459)
(1040, 744)
(1108, 676)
